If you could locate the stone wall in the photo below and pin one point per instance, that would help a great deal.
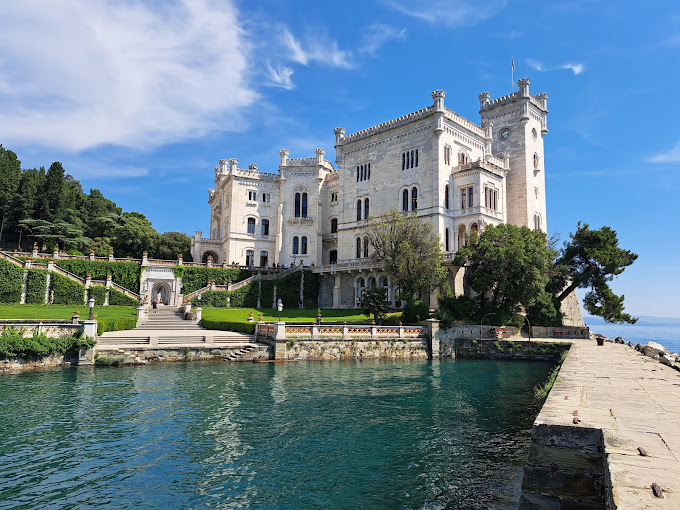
(504, 349)
(356, 349)
(142, 356)
(17, 363)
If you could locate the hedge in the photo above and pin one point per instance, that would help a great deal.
(66, 291)
(194, 278)
(98, 292)
(117, 324)
(241, 327)
(13, 343)
(117, 298)
(125, 274)
(11, 282)
(36, 286)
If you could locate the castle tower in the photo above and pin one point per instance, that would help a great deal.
(518, 123)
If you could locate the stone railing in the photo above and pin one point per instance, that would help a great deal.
(282, 331)
(53, 328)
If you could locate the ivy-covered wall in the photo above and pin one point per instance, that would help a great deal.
(11, 282)
(117, 298)
(125, 274)
(66, 292)
(36, 286)
(98, 292)
(194, 278)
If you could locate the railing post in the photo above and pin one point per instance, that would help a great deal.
(315, 331)
(280, 340)
(344, 330)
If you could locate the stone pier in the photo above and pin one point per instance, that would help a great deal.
(608, 432)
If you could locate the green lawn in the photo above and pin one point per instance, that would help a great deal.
(13, 311)
(288, 315)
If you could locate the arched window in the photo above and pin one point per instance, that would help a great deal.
(304, 205)
(537, 221)
(383, 281)
(265, 227)
(251, 225)
(296, 245)
(447, 154)
(446, 197)
(334, 225)
(366, 208)
(250, 257)
(404, 200)
(414, 199)
(297, 205)
(365, 246)
(447, 240)
(358, 209)
(333, 256)
(358, 247)
(304, 245)
(371, 282)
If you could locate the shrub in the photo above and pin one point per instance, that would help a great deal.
(241, 327)
(116, 324)
(36, 286)
(13, 343)
(415, 311)
(66, 291)
(11, 282)
(194, 278)
(117, 298)
(98, 292)
(125, 274)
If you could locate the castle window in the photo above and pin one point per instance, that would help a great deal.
(333, 256)
(470, 196)
(365, 246)
(252, 195)
(447, 240)
(491, 198)
(537, 221)
(265, 227)
(358, 247)
(409, 159)
(266, 198)
(447, 154)
(251, 225)
(466, 197)
(250, 257)
(264, 258)
(446, 197)
(537, 159)
(363, 172)
(303, 242)
(366, 208)
(334, 225)
(297, 205)
(414, 199)
(358, 209)
(334, 196)
(463, 158)
(304, 205)
(296, 245)
(404, 200)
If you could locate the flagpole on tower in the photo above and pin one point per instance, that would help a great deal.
(512, 76)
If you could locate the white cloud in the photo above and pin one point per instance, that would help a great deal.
(672, 155)
(378, 35)
(280, 77)
(538, 66)
(76, 75)
(449, 12)
(315, 49)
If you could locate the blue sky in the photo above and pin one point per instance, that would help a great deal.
(142, 98)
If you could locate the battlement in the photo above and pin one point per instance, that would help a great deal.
(386, 126)
(462, 121)
(309, 162)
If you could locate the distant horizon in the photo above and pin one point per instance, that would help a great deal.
(642, 320)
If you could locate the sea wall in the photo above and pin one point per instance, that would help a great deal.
(329, 349)
(504, 349)
(19, 364)
(142, 355)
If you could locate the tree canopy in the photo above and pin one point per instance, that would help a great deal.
(409, 250)
(589, 260)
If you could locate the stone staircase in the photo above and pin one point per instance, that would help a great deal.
(244, 351)
(168, 318)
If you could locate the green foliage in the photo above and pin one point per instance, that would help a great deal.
(194, 278)
(241, 327)
(12, 343)
(36, 286)
(115, 324)
(66, 291)
(214, 298)
(170, 244)
(591, 259)
(375, 302)
(541, 392)
(415, 310)
(98, 292)
(409, 250)
(545, 311)
(11, 282)
(108, 361)
(10, 177)
(117, 298)
(125, 274)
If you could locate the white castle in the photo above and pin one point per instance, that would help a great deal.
(456, 174)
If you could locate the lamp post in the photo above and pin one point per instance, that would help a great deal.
(279, 307)
(482, 322)
(91, 305)
(528, 328)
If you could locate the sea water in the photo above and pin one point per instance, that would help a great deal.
(666, 335)
(305, 435)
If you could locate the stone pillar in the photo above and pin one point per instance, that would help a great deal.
(141, 315)
(34, 253)
(88, 281)
(90, 328)
(209, 263)
(75, 318)
(198, 313)
(55, 254)
(433, 338)
(109, 284)
(336, 291)
(91, 257)
(110, 256)
(145, 259)
(179, 260)
(280, 340)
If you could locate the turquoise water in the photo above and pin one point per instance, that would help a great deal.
(370, 434)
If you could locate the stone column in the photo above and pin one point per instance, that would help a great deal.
(55, 254)
(280, 340)
(110, 256)
(433, 338)
(141, 315)
(91, 257)
(180, 261)
(145, 259)
(34, 253)
(198, 313)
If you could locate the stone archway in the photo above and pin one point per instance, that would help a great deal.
(162, 292)
(215, 259)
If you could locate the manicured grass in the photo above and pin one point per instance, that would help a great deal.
(12, 311)
(291, 315)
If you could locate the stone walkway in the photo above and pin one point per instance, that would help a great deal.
(635, 402)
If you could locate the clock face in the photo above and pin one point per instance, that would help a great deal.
(504, 134)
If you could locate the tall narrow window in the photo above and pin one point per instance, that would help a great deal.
(408, 159)
(333, 256)
(416, 158)
(304, 205)
(447, 154)
(265, 227)
(297, 205)
(414, 199)
(404, 200)
(368, 176)
(303, 242)
(470, 196)
(366, 247)
(358, 173)
(403, 160)
(264, 258)
(463, 198)
(251, 225)
(358, 247)
(446, 197)
(358, 209)
(296, 245)
(447, 240)
(366, 208)
(250, 257)
(334, 225)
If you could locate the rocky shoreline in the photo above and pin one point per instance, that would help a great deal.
(652, 350)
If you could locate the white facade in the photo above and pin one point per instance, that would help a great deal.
(456, 174)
